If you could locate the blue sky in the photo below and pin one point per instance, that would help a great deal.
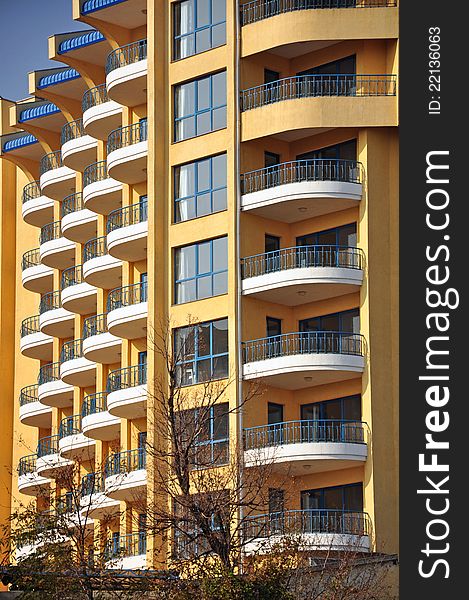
(24, 28)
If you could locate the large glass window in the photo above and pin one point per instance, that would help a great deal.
(201, 270)
(343, 236)
(343, 409)
(201, 352)
(343, 497)
(347, 321)
(200, 106)
(198, 26)
(200, 188)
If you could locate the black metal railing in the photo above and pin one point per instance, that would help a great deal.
(31, 258)
(126, 55)
(48, 373)
(127, 377)
(128, 135)
(128, 215)
(94, 97)
(30, 326)
(302, 257)
(95, 248)
(72, 203)
(72, 276)
(50, 301)
(71, 350)
(125, 462)
(31, 191)
(48, 445)
(251, 12)
(94, 403)
(315, 86)
(297, 171)
(29, 394)
(70, 426)
(27, 464)
(310, 342)
(95, 172)
(50, 232)
(71, 131)
(95, 325)
(50, 161)
(127, 296)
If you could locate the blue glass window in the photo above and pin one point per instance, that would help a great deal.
(205, 433)
(201, 270)
(201, 352)
(198, 25)
(343, 497)
(200, 188)
(347, 321)
(200, 106)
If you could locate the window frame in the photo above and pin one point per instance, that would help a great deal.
(211, 25)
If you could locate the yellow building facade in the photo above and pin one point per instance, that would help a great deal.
(216, 163)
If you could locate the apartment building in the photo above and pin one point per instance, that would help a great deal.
(230, 169)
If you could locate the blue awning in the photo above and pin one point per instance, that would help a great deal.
(36, 112)
(59, 77)
(86, 39)
(19, 142)
(92, 5)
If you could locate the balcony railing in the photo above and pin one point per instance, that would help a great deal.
(304, 432)
(94, 97)
(92, 483)
(50, 232)
(125, 462)
(50, 301)
(72, 276)
(95, 248)
(127, 296)
(27, 464)
(70, 426)
(298, 522)
(71, 350)
(93, 5)
(131, 544)
(302, 257)
(251, 12)
(126, 55)
(94, 403)
(296, 171)
(310, 342)
(95, 172)
(31, 191)
(30, 326)
(129, 215)
(128, 377)
(48, 445)
(72, 203)
(28, 394)
(31, 258)
(72, 131)
(94, 325)
(315, 86)
(50, 161)
(127, 136)
(49, 373)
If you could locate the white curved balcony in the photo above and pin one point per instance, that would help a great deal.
(49, 462)
(32, 412)
(97, 422)
(307, 446)
(126, 476)
(126, 74)
(299, 360)
(303, 274)
(56, 180)
(99, 267)
(127, 153)
(35, 276)
(127, 392)
(302, 189)
(312, 529)
(55, 320)
(100, 114)
(78, 148)
(29, 481)
(128, 311)
(33, 342)
(127, 232)
(52, 391)
(37, 210)
(73, 444)
(79, 224)
(99, 345)
(76, 295)
(55, 250)
(75, 369)
(101, 193)
(94, 502)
